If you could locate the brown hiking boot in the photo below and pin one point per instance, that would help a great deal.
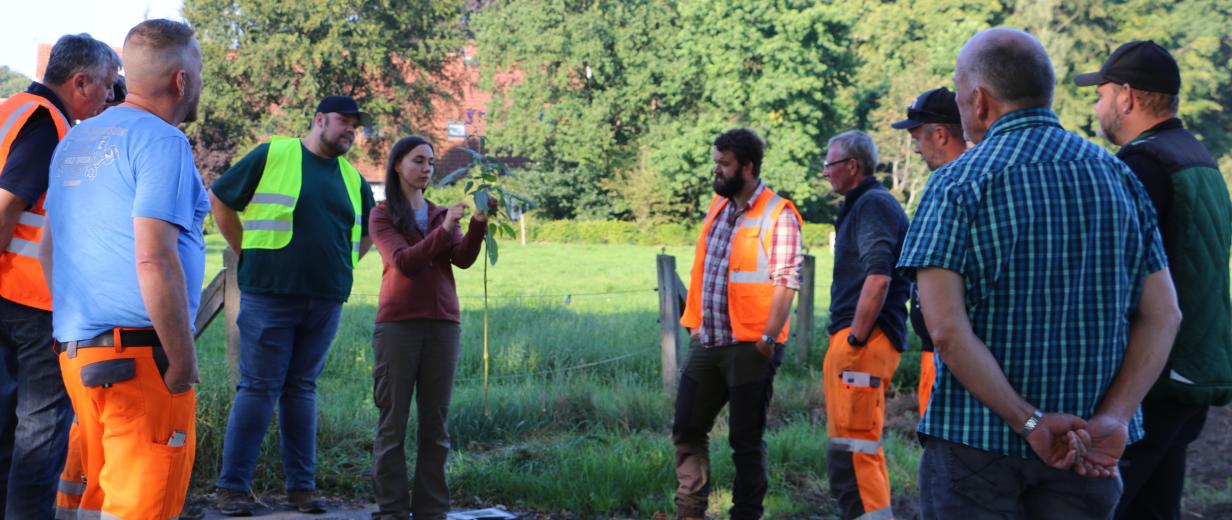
(305, 501)
(234, 503)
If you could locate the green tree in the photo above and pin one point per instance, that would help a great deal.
(12, 82)
(267, 64)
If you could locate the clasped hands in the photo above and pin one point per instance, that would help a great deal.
(1090, 448)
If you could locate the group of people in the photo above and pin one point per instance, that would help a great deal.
(1046, 278)
(103, 210)
(1045, 274)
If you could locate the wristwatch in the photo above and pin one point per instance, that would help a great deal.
(1031, 423)
(851, 340)
(767, 340)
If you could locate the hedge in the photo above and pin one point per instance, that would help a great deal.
(620, 232)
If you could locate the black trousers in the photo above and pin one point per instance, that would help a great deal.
(740, 377)
(1154, 467)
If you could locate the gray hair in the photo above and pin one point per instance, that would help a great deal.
(1014, 68)
(859, 146)
(75, 53)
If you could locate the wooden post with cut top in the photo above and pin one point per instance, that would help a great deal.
(804, 308)
(671, 307)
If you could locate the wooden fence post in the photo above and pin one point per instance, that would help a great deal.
(804, 308)
(231, 308)
(671, 296)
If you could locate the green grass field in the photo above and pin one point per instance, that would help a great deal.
(579, 423)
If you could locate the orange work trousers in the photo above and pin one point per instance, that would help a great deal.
(137, 439)
(855, 385)
(928, 373)
(73, 478)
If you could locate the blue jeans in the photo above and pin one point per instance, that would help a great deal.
(284, 341)
(35, 413)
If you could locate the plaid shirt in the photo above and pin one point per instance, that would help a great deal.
(783, 263)
(1053, 237)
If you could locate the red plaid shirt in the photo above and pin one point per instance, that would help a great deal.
(784, 265)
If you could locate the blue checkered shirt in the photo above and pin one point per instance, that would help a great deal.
(1053, 237)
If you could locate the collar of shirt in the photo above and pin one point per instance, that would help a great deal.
(1022, 119)
(850, 199)
(44, 91)
(1171, 123)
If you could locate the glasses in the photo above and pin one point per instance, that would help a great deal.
(831, 165)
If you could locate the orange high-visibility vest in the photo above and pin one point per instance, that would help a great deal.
(21, 276)
(749, 287)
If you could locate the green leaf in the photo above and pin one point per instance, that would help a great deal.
(467, 189)
(481, 201)
(490, 244)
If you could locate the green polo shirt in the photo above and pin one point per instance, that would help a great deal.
(317, 262)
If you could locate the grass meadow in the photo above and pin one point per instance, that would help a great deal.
(579, 423)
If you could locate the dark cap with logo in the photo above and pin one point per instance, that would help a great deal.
(343, 105)
(1142, 64)
(935, 106)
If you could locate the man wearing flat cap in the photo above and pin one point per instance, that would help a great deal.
(937, 135)
(1138, 98)
(303, 228)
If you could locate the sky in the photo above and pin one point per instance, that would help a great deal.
(27, 23)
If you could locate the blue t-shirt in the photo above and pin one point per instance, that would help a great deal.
(122, 164)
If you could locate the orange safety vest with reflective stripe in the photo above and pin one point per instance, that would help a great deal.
(21, 276)
(749, 288)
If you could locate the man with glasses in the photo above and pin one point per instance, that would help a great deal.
(868, 326)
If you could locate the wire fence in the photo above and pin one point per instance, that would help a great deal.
(567, 296)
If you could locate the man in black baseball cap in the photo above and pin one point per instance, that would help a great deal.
(1138, 88)
(937, 135)
(935, 127)
(297, 210)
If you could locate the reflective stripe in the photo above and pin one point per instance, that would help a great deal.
(855, 445)
(750, 276)
(748, 223)
(1175, 376)
(23, 247)
(89, 514)
(66, 514)
(267, 225)
(70, 487)
(17, 114)
(31, 219)
(108, 516)
(884, 513)
(355, 248)
(273, 198)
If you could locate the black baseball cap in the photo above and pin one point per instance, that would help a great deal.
(1144, 65)
(343, 105)
(935, 106)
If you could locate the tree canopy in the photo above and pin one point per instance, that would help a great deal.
(12, 82)
(621, 98)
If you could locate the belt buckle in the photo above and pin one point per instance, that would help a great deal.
(70, 349)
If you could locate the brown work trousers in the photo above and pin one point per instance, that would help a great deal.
(413, 358)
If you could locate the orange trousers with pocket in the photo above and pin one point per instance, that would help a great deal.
(855, 385)
(137, 440)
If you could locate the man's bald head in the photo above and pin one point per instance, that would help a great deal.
(154, 50)
(1011, 65)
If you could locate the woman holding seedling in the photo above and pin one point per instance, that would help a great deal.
(416, 339)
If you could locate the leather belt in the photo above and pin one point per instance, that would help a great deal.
(118, 338)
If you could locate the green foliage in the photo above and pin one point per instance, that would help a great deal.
(12, 82)
(619, 100)
(267, 64)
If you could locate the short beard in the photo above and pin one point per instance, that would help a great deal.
(1109, 127)
(730, 187)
